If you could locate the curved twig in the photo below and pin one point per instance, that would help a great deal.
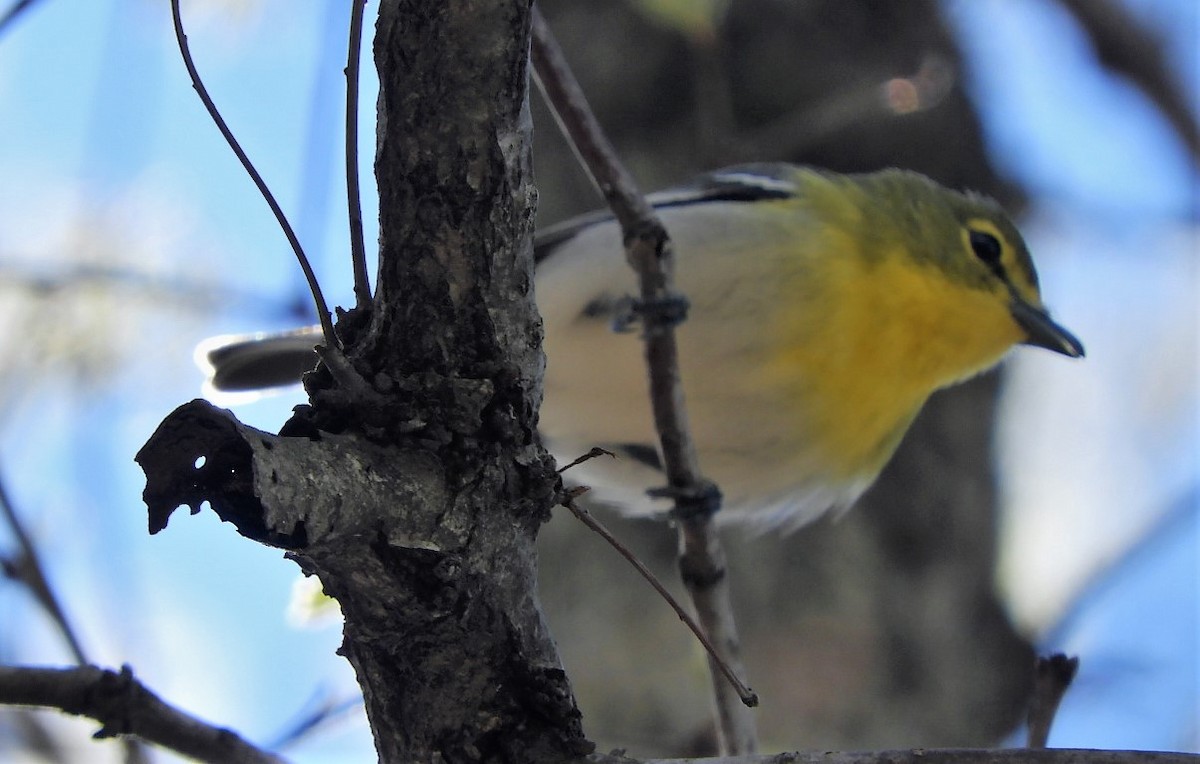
(331, 339)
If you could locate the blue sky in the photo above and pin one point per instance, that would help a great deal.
(108, 162)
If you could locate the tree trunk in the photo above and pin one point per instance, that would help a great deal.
(414, 486)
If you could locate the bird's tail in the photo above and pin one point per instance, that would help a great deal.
(246, 362)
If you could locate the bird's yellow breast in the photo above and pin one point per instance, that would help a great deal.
(867, 348)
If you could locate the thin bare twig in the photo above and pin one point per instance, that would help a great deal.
(648, 249)
(30, 570)
(124, 706)
(593, 454)
(331, 340)
(1052, 677)
(748, 696)
(358, 249)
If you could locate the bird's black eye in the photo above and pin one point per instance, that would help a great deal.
(987, 248)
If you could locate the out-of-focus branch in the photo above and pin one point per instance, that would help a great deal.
(326, 711)
(798, 131)
(15, 10)
(28, 569)
(180, 292)
(124, 706)
(1126, 46)
(648, 249)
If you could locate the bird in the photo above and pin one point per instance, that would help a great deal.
(823, 311)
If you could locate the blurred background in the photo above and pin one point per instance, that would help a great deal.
(1051, 506)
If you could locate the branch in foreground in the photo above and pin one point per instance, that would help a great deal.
(935, 756)
(124, 706)
(648, 250)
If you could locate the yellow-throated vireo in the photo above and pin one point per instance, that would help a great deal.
(824, 310)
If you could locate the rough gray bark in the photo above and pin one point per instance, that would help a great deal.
(415, 493)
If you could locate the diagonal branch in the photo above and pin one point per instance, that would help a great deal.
(1127, 47)
(31, 571)
(649, 252)
(715, 655)
(124, 706)
(13, 12)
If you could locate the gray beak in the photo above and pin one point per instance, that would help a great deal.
(1042, 331)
